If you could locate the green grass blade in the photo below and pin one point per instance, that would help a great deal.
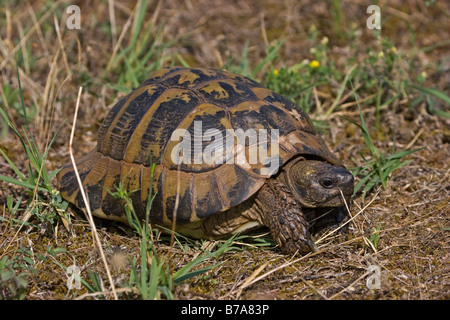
(21, 183)
(341, 91)
(272, 55)
(155, 278)
(22, 102)
(361, 183)
(137, 26)
(365, 134)
(439, 94)
(191, 274)
(436, 93)
(186, 273)
(13, 166)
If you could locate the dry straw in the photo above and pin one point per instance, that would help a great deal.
(85, 199)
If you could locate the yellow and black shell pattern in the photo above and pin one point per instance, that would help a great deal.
(142, 123)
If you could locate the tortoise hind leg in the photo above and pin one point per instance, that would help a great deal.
(284, 217)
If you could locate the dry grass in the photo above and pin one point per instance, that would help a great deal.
(403, 229)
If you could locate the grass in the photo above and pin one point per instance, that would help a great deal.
(155, 279)
(37, 179)
(13, 280)
(380, 166)
(380, 102)
(144, 52)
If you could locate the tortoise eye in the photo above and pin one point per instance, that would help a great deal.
(327, 183)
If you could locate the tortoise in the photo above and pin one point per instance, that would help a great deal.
(216, 198)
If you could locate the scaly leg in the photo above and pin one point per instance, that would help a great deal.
(282, 214)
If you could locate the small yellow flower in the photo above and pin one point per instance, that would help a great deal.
(394, 50)
(275, 72)
(314, 64)
(381, 54)
(324, 40)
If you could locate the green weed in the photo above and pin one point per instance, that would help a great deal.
(426, 95)
(45, 203)
(9, 99)
(375, 236)
(14, 273)
(13, 283)
(297, 82)
(243, 65)
(378, 168)
(145, 52)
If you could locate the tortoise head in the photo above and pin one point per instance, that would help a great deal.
(318, 184)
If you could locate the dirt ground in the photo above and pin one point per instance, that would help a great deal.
(402, 231)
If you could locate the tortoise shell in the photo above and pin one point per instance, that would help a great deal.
(142, 123)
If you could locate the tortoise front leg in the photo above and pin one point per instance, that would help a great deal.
(284, 217)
